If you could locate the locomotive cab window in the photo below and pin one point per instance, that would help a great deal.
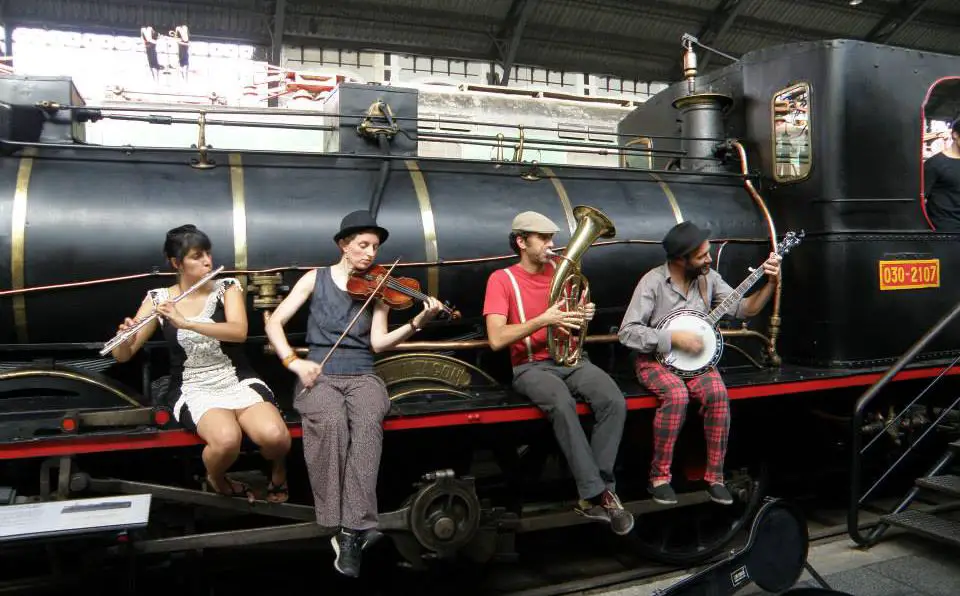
(792, 148)
(940, 172)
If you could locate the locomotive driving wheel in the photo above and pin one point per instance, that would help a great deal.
(437, 521)
(444, 515)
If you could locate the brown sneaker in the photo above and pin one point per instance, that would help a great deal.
(591, 511)
(621, 520)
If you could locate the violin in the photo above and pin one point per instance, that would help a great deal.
(398, 293)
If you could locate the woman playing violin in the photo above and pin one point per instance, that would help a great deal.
(213, 390)
(343, 403)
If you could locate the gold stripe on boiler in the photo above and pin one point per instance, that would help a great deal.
(431, 247)
(18, 239)
(239, 217)
(564, 198)
(670, 197)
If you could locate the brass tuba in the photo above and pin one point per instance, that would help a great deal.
(572, 286)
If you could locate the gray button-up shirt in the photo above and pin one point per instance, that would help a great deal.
(656, 296)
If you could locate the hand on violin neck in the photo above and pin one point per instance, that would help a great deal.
(431, 308)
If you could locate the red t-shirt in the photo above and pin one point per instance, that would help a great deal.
(501, 299)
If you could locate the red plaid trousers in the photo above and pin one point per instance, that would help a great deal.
(674, 395)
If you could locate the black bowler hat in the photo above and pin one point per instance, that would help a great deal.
(359, 221)
(683, 238)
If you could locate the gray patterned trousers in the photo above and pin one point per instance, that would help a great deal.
(342, 417)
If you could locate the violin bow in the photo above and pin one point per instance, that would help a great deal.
(356, 317)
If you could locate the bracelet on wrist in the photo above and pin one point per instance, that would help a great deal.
(414, 325)
(286, 361)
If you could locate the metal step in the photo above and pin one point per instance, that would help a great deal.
(926, 525)
(947, 484)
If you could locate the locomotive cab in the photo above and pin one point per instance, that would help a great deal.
(835, 129)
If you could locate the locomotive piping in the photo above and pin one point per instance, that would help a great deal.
(431, 248)
(761, 204)
(474, 344)
(239, 216)
(18, 234)
(382, 177)
(128, 149)
(434, 263)
(50, 106)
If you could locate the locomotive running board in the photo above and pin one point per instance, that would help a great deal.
(205, 499)
(567, 517)
(225, 539)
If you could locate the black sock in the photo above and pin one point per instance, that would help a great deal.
(597, 500)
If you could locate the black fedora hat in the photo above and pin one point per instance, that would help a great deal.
(683, 238)
(359, 221)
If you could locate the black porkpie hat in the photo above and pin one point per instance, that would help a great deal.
(683, 238)
(359, 221)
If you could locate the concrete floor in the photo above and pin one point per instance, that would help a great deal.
(899, 566)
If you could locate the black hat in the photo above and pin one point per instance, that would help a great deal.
(358, 221)
(683, 238)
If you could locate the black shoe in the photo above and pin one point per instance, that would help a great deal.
(719, 494)
(621, 520)
(663, 494)
(370, 537)
(347, 545)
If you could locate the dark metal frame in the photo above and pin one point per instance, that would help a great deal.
(857, 450)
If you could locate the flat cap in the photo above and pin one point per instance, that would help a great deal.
(531, 221)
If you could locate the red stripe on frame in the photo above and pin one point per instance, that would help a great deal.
(180, 438)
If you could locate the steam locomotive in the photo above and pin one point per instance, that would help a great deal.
(823, 137)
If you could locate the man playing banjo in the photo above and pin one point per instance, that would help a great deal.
(685, 281)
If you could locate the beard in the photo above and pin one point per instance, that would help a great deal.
(692, 272)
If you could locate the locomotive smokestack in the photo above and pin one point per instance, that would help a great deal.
(701, 117)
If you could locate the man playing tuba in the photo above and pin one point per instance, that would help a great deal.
(518, 315)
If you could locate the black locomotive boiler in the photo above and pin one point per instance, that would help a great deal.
(774, 142)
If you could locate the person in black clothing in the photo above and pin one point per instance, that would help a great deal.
(182, 35)
(941, 184)
(150, 37)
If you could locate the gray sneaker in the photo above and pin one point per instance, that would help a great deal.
(621, 520)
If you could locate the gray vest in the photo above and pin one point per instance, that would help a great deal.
(331, 310)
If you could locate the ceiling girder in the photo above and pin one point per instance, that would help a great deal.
(896, 19)
(512, 28)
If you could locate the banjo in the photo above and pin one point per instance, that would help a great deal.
(687, 365)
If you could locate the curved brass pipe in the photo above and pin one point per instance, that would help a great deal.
(761, 204)
(643, 141)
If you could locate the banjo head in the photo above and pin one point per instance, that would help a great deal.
(688, 365)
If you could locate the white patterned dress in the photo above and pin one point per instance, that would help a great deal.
(205, 373)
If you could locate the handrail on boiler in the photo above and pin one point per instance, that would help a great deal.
(856, 433)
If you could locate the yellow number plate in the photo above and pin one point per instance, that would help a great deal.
(909, 275)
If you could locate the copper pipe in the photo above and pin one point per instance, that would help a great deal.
(479, 344)
(775, 319)
(438, 263)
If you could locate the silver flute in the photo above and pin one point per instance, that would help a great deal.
(125, 335)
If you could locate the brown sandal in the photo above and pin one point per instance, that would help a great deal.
(279, 490)
(242, 492)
